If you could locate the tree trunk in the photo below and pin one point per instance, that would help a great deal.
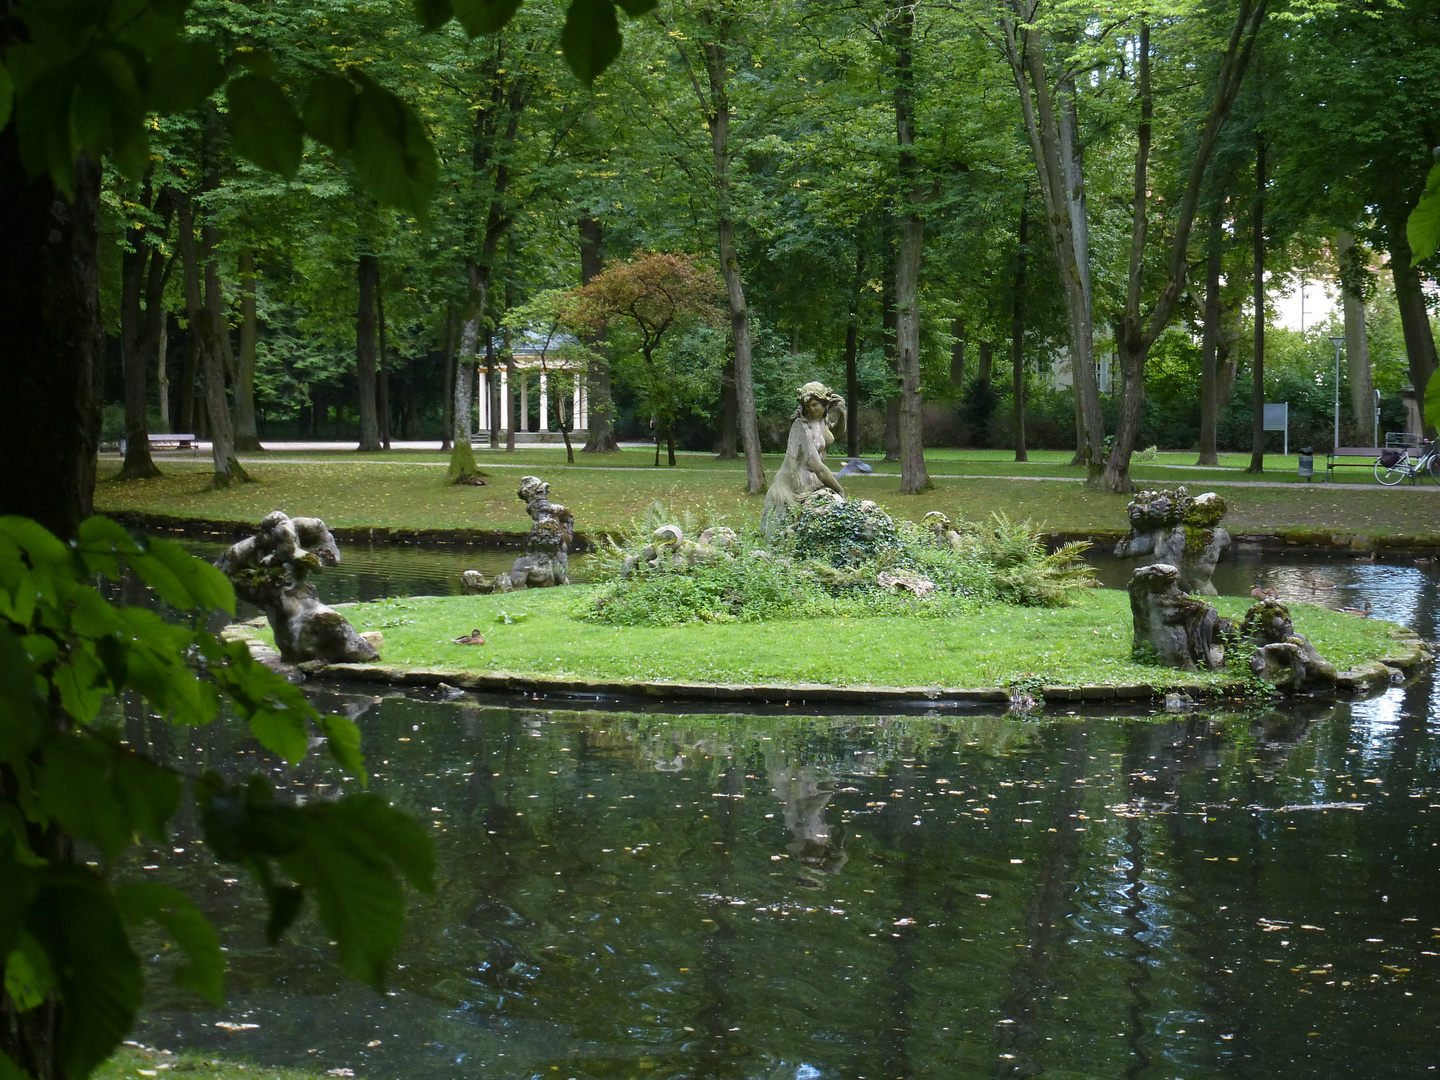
(447, 380)
(54, 344)
(209, 334)
(718, 120)
(382, 397)
(1357, 345)
(1017, 340)
(247, 436)
(189, 376)
(985, 369)
(368, 273)
(1209, 347)
(512, 396)
(492, 390)
(889, 336)
(600, 417)
(1409, 296)
(725, 426)
(139, 262)
(913, 477)
(957, 354)
(1257, 363)
(1053, 129)
(162, 373)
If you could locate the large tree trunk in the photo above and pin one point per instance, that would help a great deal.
(247, 436)
(162, 373)
(1017, 340)
(447, 379)
(889, 336)
(1357, 344)
(1257, 280)
(717, 109)
(368, 274)
(1414, 317)
(600, 417)
(54, 347)
(209, 334)
(1209, 347)
(139, 263)
(957, 354)
(913, 477)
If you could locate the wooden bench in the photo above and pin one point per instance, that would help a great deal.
(182, 442)
(1356, 457)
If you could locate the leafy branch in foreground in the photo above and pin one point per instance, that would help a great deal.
(69, 782)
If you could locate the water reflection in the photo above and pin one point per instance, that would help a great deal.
(749, 896)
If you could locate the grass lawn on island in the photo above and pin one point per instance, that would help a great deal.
(408, 490)
(1087, 643)
(141, 1063)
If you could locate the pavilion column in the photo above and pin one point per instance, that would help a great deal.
(544, 402)
(504, 399)
(583, 416)
(575, 410)
(524, 424)
(482, 400)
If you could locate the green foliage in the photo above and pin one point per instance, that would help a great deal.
(64, 650)
(1432, 401)
(1423, 227)
(827, 564)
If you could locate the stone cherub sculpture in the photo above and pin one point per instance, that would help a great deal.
(547, 548)
(271, 570)
(1173, 527)
(1182, 631)
(1282, 657)
(804, 471)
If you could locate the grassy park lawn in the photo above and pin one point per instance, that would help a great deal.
(132, 1062)
(1087, 643)
(408, 490)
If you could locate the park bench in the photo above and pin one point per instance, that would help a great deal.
(182, 442)
(1359, 457)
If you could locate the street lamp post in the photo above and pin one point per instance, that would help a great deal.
(1337, 342)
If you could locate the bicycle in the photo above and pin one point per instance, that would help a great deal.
(1395, 464)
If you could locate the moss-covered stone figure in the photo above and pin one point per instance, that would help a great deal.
(271, 570)
(1184, 531)
(803, 472)
(1282, 657)
(1178, 630)
(842, 532)
(547, 548)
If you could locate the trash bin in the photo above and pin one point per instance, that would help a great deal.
(1307, 463)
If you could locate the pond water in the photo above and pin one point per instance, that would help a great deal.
(781, 896)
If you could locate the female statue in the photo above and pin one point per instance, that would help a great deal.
(804, 469)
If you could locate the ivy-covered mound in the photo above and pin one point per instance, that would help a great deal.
(837, 558)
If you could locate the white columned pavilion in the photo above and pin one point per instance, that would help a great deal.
(544, 402)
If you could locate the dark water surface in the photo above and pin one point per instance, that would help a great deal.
(665, 895)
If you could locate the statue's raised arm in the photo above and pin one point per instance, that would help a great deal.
(819, 412)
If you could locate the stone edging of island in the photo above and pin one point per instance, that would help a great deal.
(1364, 681)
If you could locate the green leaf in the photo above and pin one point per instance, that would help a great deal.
(22, 710)
(342, 735)
(182, 580)
(256, 61)
(352, 850)
(74, 919)
(282, 731)
(182, 75)
(433, 14)
(106, 794)
(330, 112)
(9, 1070)
(247, 824)
(267, 130)
(277, 710)
(204, 973)
(27, 974)
(591, 38)
(1432, 400)
(393, 155)
(7, 95)
(484, 16)
(636, 8)
(1423, 228)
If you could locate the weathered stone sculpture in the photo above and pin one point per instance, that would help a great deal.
(669, 550)
(1282, 657)
(804, 470)
(271, 570)
(1174, 528)
(547, 548)
(1178, 628)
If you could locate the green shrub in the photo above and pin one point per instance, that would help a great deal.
(826, 565)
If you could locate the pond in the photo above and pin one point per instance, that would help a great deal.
(780, 896)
